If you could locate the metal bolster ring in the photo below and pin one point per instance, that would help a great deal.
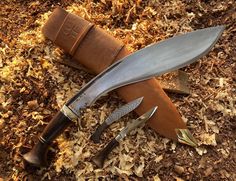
(68, 113)
(119, 137)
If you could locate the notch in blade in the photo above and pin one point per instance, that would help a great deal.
(114, 116)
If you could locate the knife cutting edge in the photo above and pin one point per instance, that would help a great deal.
(114, 116)
(99, 158)
(153, 60)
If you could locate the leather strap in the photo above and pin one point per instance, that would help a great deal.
(82, 40)
(72, 33)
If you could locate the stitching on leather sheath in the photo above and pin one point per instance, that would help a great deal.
(59, 30)
(80, 38)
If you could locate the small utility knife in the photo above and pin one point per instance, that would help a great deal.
(99, 158)
(114, 116)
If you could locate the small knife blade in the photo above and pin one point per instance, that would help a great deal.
(99, 158)
(114, 116)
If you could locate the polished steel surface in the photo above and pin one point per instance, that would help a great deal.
(155, 59)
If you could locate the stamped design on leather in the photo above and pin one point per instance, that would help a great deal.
(74, 32)
(71, 29)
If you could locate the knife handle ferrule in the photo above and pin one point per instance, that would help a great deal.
(97, 134)
(99, 158)
(69, 113)
(38, 155)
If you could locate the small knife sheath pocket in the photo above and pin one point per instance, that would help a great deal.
(96, 50)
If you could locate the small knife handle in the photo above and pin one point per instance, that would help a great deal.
(100, 157)
(38, 155)
(97, 134)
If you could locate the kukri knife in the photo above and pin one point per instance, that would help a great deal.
(150, 61)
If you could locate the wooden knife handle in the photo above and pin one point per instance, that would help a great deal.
(96, 135)
(100, 157)
(38, 155)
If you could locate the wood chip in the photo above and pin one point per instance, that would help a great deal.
(33, 104)
(179, 169)
(2, 124)
(208, 171)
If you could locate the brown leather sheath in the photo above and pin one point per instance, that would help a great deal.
(96, 50)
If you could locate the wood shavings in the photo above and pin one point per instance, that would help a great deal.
(2, 123)
(33, 104)
(179, 169)
(208, 139)
(125, 162)
(1, 64)
(173, 146)
(156, 178)
(208, 171)
(138, 170)
(224, 152)
(178, 179)
(158, 158)
(29, 71)
(201, 150)
(119, 171)
(103, 114)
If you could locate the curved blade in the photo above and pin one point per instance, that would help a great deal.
(136, 123)
(153, 60)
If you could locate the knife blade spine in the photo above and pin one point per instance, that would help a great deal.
(91, 82)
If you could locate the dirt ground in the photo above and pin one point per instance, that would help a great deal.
(34, 86)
